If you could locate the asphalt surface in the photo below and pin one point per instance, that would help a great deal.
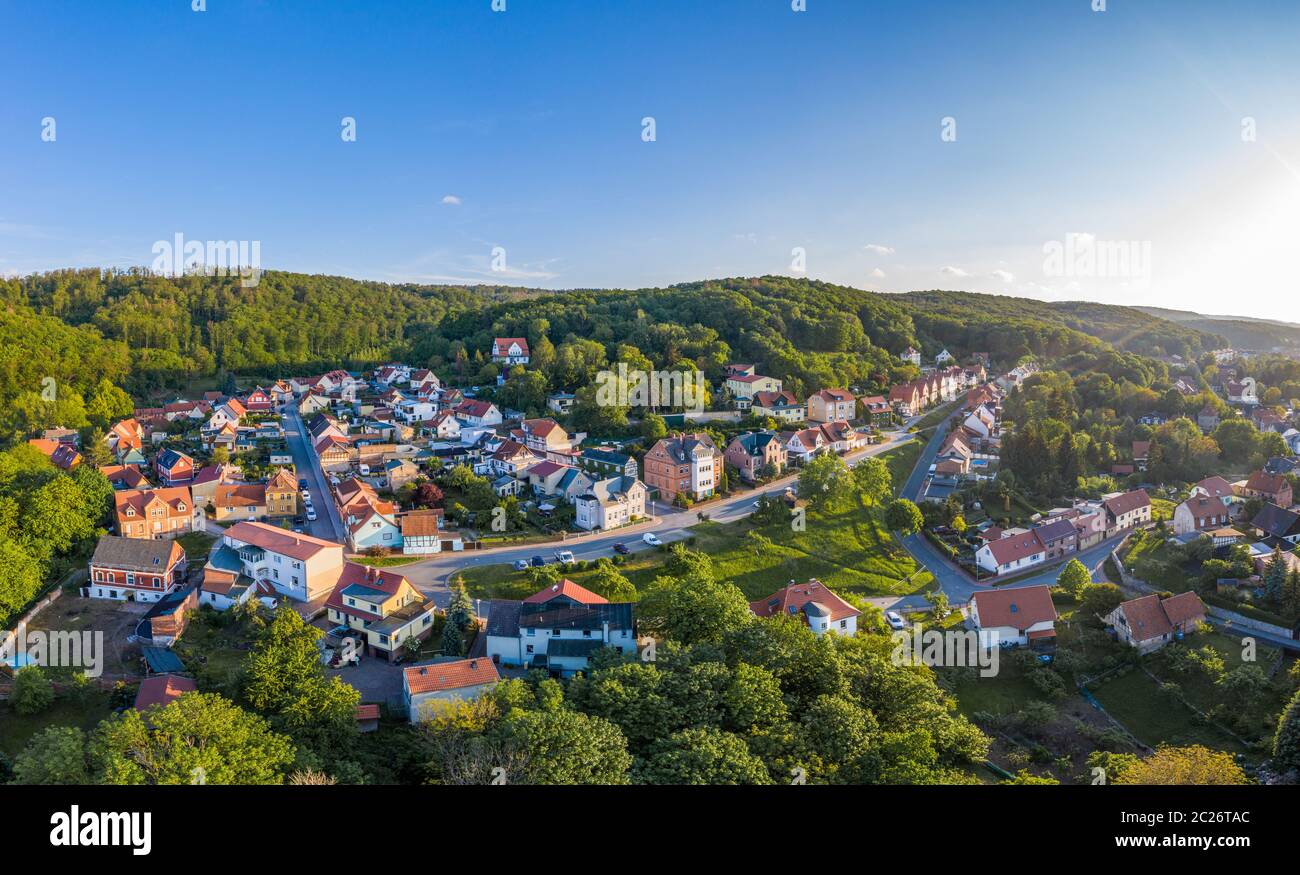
(328, 525)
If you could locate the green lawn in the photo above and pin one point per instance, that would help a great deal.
(197, 546)
(16, 729)
(1136, 701)
(846, 547)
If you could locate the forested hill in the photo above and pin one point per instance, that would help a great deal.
(1127, 328)
(1240, 332)
(154, 335)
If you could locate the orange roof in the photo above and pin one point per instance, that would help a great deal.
(439, 676)
(568, 588)
(794, 598)
(239, 495)
(1017, 608)
(1148, 617)
(162, 690)
(1006, 550)
(367, 712)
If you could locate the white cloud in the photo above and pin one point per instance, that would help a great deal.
(1005, 276)
(877, 274)
(879, 249)
(954, 271)
(451, 200)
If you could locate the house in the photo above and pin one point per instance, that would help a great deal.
(1273, 488)
(432, 689)
(132, 569)
(610, 503)
(779, 405)
(443, 424)
(1290, 561)
(607, 462)
(239, 501)
(943, 358)
(803, 445)
(399, 472)
(1090, 528)
(1199, 514)
(561, 402)
(739, 369)
(63, 454)
(1014, 617)
(1208, 418)
(383, 607)
(166, 620)
(1126, 510)
(1009, 554)
(1141, 453)
(173, 467)
(877, 410)
(298, 566)
(912, 356)
(815, 603)
(258, 401)
(125, 477)
(1274, 522)
(1267, 420)
(424, 381)
(281, 494)
(510, 351)
(194, 410)
(156, 513)
(1214, 487)
(743, 387)
(510, 458)
(842, 437)
(689, 465)
(421, 531)
(557, 629)
(1241, 392)
(757, 455)
(203, 487)
(1059, 537)
(545, 435)
(832, 405)
(125, 436)
(162, 690)
(1149, 623)
(473, 412)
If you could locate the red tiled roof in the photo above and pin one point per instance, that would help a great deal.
(1017, 608)
(791, 601)
(1008, 550)
(1129, 501)
(162, 690)
(459, 674)
(568, 588)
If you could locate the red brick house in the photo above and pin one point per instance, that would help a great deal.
(131, 569)
(153, 513)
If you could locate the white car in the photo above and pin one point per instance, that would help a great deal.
(306, 495)
(895, 621)
(652, 539)
(564, 557)
(311, 515)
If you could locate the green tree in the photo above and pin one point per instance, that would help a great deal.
(1099, 599)
(694, 609)
(872, 478)
(701, 756)
(608, 582)
(1286, 744)
(901, 515)
(199, 737)
(55, 755)
(460, 620)
(33, 692)
(1073, 578)
(560, 746)
(283, 677)
(824, 480)
(1193, 765)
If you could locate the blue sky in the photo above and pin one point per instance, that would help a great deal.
(775, 131)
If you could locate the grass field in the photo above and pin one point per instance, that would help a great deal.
(846, 547)
(1136, 701)
(16, 729)
(197, 546)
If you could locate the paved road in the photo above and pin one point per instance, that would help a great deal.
(432, 575)
(328, 525)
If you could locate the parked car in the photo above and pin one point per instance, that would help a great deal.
(622, 549)
(538, 561)
(306, 495)
(311, 515)
(652, 539)
(895, 620)
(564, 557)
(364, 469)
(521, 565)
(302, 483)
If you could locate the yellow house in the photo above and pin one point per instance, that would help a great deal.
(282, 494)
(382, 606)
(239, 501)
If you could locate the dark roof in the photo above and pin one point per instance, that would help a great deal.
(136, 554)
(1277, 521)
(573, 646)
(503, 618)
(161, 660)
(544, 616)
(1055, 530)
